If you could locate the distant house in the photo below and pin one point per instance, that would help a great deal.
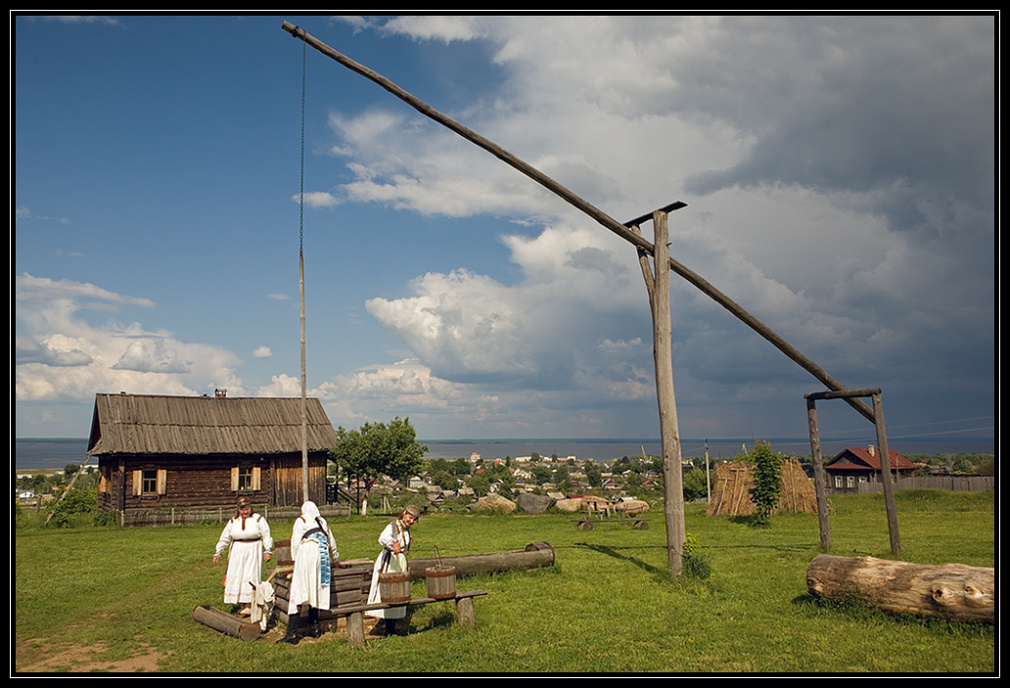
(200, 452)
(853, 466)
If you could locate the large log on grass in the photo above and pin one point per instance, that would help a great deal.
(535, 555)
(951, 591)
(225, 622)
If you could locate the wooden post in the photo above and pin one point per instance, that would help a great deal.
(356, 629)
(464, 612)
(885, 458)
(658, 286)
(820, 488)
(885, 474)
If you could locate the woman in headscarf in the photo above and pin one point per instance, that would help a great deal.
(395, 540)
(314, 552)
(246, 536)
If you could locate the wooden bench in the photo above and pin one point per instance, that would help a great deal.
(635, 521)
(350, 581)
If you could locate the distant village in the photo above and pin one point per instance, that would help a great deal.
(163, 452)
(464, 480)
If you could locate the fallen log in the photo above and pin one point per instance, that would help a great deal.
(536, 555)
(951, 591)
(226, 623)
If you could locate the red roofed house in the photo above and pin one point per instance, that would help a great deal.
(851, 467)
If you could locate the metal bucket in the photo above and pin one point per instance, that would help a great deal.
(394, 587)
(441, 582)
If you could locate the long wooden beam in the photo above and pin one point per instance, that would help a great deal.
(620, 229)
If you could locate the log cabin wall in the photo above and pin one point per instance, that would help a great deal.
(152, 482)
(157, 452)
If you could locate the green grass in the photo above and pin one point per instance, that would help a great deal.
(606, 606)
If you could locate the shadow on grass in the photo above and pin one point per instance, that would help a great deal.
(614, 553)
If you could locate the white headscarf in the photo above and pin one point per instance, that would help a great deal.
(310, 512)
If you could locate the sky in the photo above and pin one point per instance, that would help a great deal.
(838, 173)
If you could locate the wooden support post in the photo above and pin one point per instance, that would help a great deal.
(464, 612)
(657, 282)
(356, 629)
(885, 456)
(885, 474)
(820, 487)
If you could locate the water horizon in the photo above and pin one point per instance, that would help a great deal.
(55, 453)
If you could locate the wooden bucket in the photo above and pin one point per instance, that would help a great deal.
(441, 582)
(394, 587)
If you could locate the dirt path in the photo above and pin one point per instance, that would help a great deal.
(79, 659)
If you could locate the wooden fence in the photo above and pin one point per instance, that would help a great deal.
(182, 517)
(959, 483)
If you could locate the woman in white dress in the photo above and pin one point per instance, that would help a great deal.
(315, 552)
(247, 539)
(395, 540)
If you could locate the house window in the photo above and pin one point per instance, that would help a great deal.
(850, 482)
(838, 481)
(149, 482)
(245, 478)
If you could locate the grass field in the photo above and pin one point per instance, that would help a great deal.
(113, 600)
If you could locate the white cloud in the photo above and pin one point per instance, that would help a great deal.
(262, 352)
(838, 173)
(61, 354)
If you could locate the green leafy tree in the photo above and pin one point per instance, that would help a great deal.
(767, 480)
(695, 485)
(479, 484)
(379, 449)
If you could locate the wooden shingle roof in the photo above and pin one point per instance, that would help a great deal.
(153, 424)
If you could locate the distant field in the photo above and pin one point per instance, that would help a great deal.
(122, 600)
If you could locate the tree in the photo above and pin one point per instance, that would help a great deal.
(379, 449)
(695, 485)
(767, 480)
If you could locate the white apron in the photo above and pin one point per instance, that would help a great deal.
(246, 539)
(388, 562)
(313, 550)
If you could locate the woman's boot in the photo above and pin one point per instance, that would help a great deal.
(314, 631)
(291, 637)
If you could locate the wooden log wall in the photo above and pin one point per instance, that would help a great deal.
(205, 481)
(349, 584)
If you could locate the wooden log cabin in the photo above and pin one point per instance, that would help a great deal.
(176, 452)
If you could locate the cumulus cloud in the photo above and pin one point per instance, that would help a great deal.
(61, 353)
(838, 172)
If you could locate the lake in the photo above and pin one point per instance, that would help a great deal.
(56, 453)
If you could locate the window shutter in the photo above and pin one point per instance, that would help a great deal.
(256, 478)
(138, 483)
(234, 479)
(162, 480)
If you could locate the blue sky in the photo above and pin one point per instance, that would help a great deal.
(839, 175)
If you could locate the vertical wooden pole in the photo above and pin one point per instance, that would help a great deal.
(820, 487)
(658, 284)
(885, 456)
(885, 473)
(301, 297)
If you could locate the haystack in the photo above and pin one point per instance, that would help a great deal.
(733, 483)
